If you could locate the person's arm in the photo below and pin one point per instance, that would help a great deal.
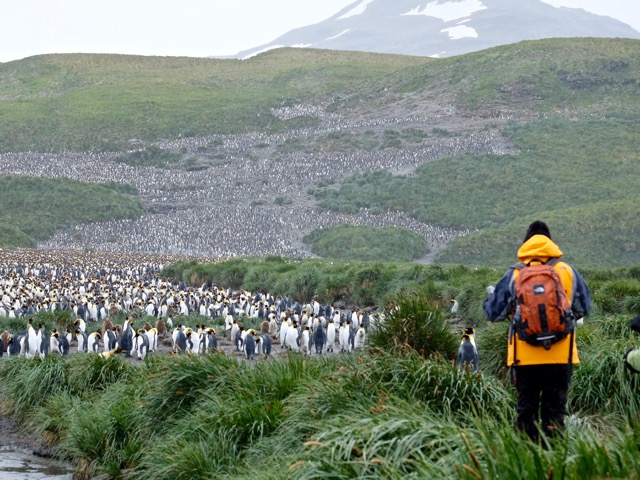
(498, 305)
(581, 303)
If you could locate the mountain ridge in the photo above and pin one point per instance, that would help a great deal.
(444, 29)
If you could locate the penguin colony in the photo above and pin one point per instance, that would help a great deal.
(96, 287)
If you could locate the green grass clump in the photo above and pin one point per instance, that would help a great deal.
(413, 322)
(389, 244)
(33, 208)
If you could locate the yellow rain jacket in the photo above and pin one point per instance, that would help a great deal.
(499, 305)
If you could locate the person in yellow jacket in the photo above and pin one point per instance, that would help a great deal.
(541, 375)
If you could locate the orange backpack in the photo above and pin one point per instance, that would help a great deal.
(543, 312)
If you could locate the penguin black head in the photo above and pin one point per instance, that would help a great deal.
(469, 330)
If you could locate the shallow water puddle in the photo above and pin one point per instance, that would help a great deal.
(17, 465)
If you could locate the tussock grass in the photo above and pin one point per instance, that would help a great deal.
(367, 243)
(415, 322)
(29, 384)
(389, 412)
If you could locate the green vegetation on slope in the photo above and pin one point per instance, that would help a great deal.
(584, 166)
(33, 208)
(83, 102)
(557, 76)
(389, 244)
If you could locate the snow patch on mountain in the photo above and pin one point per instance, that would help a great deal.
(266, 49)
(460, 31)
(340, 34)
(448, 11)
(357, 10)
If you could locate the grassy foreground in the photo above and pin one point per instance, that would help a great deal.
(373, 415)
(397, 410)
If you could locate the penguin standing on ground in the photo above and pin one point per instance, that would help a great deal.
(455, 307)
(141, 344)
(319, 338)
(109, 340)
(126, 339)
(58, 343)
(54, 343)
(161, 327)
(250, 345)
(284, 328)
(152, 335)
(211, 341)
(4, 342)
(63, 341)
(81, 324)
(93, 342)
(83, 340)
(193, 341)
(43, 342)
(68, 336)
(239, 338)
(292, 342)
(468, 351)
(29, 346)
(179, 340)
(331, 335)
(305, 341)
(359, 339)
(266, 345)
(14, 345)
(343, 337)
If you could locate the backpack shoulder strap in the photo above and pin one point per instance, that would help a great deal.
(552, 261)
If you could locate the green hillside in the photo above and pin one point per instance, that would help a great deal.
(560, 76)
(33, 208)
(84, 102)
(367, 243)
(578, 172)
(565, 113)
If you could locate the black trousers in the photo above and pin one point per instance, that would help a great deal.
(542, 395)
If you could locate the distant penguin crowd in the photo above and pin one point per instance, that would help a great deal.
(97, 287)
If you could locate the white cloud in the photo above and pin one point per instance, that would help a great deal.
(357, 10)
(340, 34)
(301, 45)
(448, 11)
(460, 31)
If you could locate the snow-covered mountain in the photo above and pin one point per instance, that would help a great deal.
(443, 28)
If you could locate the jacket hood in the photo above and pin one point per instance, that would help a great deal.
(538, 247)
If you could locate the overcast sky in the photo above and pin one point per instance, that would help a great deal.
(196, 28)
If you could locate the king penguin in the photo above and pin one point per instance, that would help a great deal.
(82, 340)
(468, 351)
(250, 345)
